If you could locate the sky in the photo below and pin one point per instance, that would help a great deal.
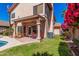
(58, 11)
(4, 16)
(58, 8)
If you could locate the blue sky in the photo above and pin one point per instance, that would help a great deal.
(58, 8)
(4, 12)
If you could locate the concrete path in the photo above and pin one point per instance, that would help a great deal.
(27, 40)
(16, 42)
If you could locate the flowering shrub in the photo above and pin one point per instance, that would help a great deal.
(71, 16)
(64, 26)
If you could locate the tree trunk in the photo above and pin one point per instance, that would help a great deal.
(73, 33)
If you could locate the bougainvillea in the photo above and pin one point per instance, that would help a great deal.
(64, 26)
(71, 16)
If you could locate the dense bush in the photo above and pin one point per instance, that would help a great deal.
(42, 54)
(8, 32)
(76, 41)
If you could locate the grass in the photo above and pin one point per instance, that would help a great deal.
(48, 47)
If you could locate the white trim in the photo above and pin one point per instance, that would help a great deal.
(38, 29)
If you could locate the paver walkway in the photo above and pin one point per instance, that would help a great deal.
(15, 42)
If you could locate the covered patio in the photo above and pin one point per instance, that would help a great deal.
(34, 26)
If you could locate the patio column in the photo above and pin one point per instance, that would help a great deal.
(14, 28)
(20, 31)
(45, 29)
(38, 29)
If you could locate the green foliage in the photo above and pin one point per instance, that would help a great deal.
(8, 32)
(76, 41)
(63, 48)
(42, 54)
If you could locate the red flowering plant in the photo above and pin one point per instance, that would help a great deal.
(71, 17)
(64, 26)
(71, 6)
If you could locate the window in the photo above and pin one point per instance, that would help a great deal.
(38, 9)
(13, 15)
(20, 29)
(34, 29)
(29, 31)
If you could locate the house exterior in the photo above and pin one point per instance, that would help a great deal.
(57, 29)
(32, 20)
(3, 26)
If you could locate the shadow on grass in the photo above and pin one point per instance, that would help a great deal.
(42, 54)
(62, 38)
(63, 49)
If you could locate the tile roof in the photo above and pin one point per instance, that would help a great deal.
(13, 7)
(57, 25)
(2, 23)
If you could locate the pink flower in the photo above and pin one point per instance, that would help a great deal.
(68, 14)
(69, 21)
(71, 6)
(64, 26)
(71, 16)
(76, 13)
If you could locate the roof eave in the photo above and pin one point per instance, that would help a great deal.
(13, 7)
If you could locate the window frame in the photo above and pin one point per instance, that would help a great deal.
(13, 15)
(20, 29)
(35, 10)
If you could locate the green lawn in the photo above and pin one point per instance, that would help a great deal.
(54, 47)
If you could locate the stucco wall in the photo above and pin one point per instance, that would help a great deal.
(57, 31)
(23, 10)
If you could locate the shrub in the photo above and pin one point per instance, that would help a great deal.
(42, 54)
(76, 41)
(8, 32)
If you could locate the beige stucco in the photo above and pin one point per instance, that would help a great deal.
(26, 9)
(57, 31)
(23, 10)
